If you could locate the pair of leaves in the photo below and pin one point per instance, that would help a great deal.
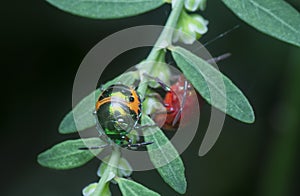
(274, 17)
(127, 187)
(106, 9)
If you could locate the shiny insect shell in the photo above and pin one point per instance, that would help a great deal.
(118, 112)
(178, 101)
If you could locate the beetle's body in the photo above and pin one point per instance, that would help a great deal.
(118, 111)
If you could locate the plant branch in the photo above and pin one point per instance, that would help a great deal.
(110, 171)
(163, 41)
(165, 38)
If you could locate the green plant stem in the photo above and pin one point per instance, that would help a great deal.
(164, 40)
(112, 166)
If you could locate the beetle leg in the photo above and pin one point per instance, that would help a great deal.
(140, 127)
(136, 84)
(137, 145)
(130, 145)
(167, 88)
(182, 104)
(157, 96)
(93, 147)
(159, 81)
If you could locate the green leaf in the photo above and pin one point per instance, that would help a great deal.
(164, 157)
(83, 111)
(125, 168)
(131, 188)
(106, 9)
(273, 17)
(106, 190)
(67, 155)
(84, 115)
(89, 190)
(215, 87)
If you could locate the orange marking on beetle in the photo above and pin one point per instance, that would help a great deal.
(135, 105)
(103, 101)
(107, 100)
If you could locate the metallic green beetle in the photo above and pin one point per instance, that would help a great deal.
(118, 112)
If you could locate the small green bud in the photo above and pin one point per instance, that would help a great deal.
(125, 168)
(159, 69)
(151, 105)
(202, 4)
(103, 166)
(190, 28)
(89, 189)
(162, 72)
(191, 5)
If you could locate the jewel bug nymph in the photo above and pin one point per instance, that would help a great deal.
(118, 112)
(180, 100)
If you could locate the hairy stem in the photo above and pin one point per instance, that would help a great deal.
(164, 40)
(110, 171)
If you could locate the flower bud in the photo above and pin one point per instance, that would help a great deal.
(202, 4)
(190, 28)
(191, 5)
(88, 190)
(158, 69)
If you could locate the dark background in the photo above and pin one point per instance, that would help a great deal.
(42, 47)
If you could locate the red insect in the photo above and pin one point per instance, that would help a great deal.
(180, 100)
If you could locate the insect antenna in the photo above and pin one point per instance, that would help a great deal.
(219, 58)
(182, 104)
(218, 37)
